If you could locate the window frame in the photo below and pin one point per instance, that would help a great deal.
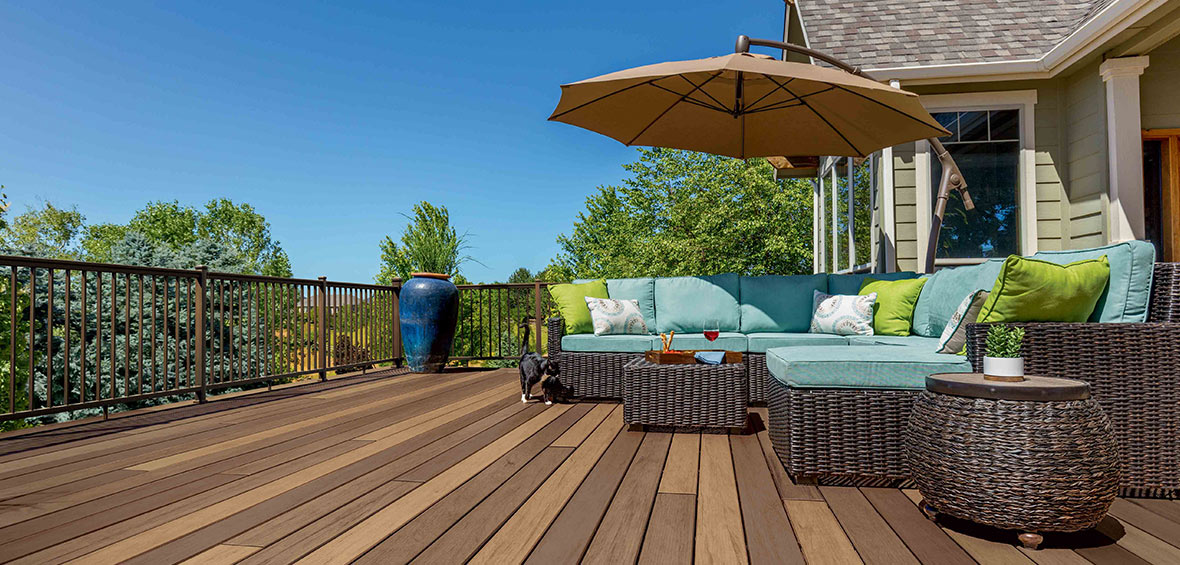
(1022, 100)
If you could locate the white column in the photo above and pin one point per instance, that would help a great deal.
(1124, 147)
(835, 217)
(850, 228)
(821, 237)
(888, 211)
(816, 226)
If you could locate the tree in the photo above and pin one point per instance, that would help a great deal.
(247, 231)
(428, 244)
(48, 231)
(521, 275)
(97, 240)
(236, 227)
(686, 213)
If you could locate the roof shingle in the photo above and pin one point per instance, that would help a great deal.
(911, 33)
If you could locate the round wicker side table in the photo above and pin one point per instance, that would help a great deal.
(1033, 456)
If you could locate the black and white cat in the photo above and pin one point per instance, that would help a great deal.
(534, 368)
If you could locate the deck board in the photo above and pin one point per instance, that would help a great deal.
(390, 467)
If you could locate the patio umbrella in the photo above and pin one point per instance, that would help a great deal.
(747, 105)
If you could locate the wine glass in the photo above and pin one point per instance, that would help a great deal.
(713, 331)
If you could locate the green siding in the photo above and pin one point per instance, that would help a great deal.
(905, 201)
(1159, 86)
(1084, 118)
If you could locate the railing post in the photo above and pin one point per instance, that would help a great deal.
(199, 339)
(397, 324)
(538, 322)
(321, 306)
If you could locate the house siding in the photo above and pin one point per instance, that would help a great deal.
(905, 205)
(1085, 155)
(1158, 87)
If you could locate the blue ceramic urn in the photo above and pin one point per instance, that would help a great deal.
(428, 311)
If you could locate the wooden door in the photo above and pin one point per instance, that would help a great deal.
(1161, 181)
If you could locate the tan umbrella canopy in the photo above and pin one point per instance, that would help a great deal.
(747, 105)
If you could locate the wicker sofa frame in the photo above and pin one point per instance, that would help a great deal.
(856, 436)
(599, 376)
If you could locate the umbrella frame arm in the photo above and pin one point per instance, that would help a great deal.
(952, 177)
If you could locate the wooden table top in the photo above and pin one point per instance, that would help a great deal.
(1032, 388)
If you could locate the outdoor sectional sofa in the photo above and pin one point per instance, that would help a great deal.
(838, 405)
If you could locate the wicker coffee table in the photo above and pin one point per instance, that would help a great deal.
(1033, 456)
(685, 396)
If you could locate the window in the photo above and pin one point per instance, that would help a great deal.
(986, 145)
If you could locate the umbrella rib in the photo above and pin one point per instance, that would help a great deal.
(790, 102)
(706, 93)
(700, 103)
(673, 105)
(776, 106)
(775, 89)
(923, 122)
(607, 95)
(820, 116)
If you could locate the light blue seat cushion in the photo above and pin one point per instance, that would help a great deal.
(642, 290)
(850, 284)
(860, 366)
(1129, 290)
(692, 304)
(917, 342)
(775, 303)
(946, 289)
(609, 343)
(760, 342)
(729, 341)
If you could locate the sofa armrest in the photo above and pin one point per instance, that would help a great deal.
(1134, 373)
(1165, 293)
(1108, 356)
(556, 330)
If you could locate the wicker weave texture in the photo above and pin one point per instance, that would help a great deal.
(839, 433)
(758, 375)
(1165, 294)
(1031, 466)
(1134, 373)
(710, 396)
(590, 374)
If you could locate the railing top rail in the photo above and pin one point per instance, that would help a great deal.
(21, 261)
(259, 278)
(503, 285)
(368, 286)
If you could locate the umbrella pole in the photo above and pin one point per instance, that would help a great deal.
(952, 178)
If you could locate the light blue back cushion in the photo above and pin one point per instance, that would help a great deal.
(1129, 290)
(850, 284)
(641, 289)
(774, 303)
(690, 304)
(946, 289)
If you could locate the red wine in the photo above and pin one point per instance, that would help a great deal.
(711, 334)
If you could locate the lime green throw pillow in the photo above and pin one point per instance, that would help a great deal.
(893, 313)
(571, 304)
(1031, 290)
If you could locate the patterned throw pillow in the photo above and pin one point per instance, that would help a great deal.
(842, 314)
(954, 336)
(616, 317)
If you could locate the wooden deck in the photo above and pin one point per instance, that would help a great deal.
(450, 468)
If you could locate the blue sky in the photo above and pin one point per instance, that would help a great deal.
(333, 120)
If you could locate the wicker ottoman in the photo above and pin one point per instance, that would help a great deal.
(685, 396)
(1032, 456)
